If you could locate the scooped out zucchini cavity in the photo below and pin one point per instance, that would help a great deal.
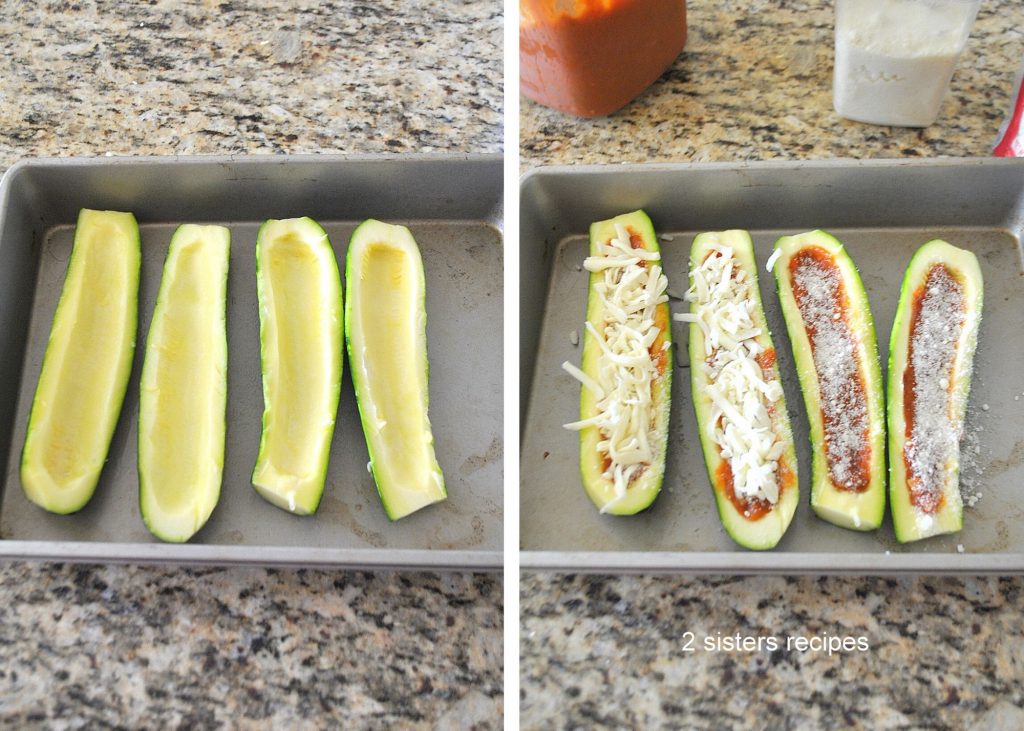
(87, 364)
(183, 393)
(625, 397)
(300, 303)
(386, 337)
(737, 394)
(833, 337)
(931, 355)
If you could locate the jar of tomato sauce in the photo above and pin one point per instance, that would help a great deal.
(592, 57)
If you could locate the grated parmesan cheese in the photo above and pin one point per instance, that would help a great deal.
(933, 450)
(820, 293)
(631, 288)
(741, 395)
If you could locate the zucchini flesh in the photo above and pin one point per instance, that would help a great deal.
(386, 337)
(942, 284)
(87, 364)
(836, 352)
(754, 524)
(183, 393)
(300, 301)
(596, 468)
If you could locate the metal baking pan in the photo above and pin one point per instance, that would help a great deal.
(882, 211)
(453, 205)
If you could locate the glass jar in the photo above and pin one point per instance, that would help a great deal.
(895, 58)
(592, 57)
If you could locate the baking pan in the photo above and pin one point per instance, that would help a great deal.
(882, 211)
(454, 207)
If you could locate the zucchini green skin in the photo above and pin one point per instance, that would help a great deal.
(299, 491)
(863, 510)
(68, 495)
(402, 491)
(910, 523)
(765, 532)
(643, 490)
(179, 525)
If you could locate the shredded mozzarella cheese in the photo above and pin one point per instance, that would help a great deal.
(741, 396)
(631, 288)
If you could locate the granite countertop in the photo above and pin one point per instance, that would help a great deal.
(598, 651)
(755, 83)
(145, 647)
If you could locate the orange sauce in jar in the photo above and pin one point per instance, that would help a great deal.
(592, 57)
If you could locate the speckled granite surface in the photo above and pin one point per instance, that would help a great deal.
(164, 648)
(253, 77)
(139, 647)
(755, 83)
(608, 652)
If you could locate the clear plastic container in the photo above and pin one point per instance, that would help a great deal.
(895, 58)
(591, 57)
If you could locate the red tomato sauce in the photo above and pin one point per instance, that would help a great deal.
(751, 508)
(592, 57)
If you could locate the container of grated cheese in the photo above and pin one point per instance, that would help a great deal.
(895, 58)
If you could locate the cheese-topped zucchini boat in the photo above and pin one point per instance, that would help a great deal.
(737, 395)
(931, 356)
(833, 337)
(627, 367)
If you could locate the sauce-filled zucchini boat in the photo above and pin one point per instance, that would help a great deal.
(836, 353)
(737, 395)
(931, 356)
(625, 398)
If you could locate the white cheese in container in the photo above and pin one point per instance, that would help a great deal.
(895, 58)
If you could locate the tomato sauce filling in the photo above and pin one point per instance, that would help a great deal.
(751, 508)
(824, 306)
(658, 354)
(928, 428)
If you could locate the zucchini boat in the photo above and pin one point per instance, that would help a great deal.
(87, 364)
(836, 352)
(737, 394)
(626, 392)
(183, 393)
(931, 356)
(299, 291)
(386, 337)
